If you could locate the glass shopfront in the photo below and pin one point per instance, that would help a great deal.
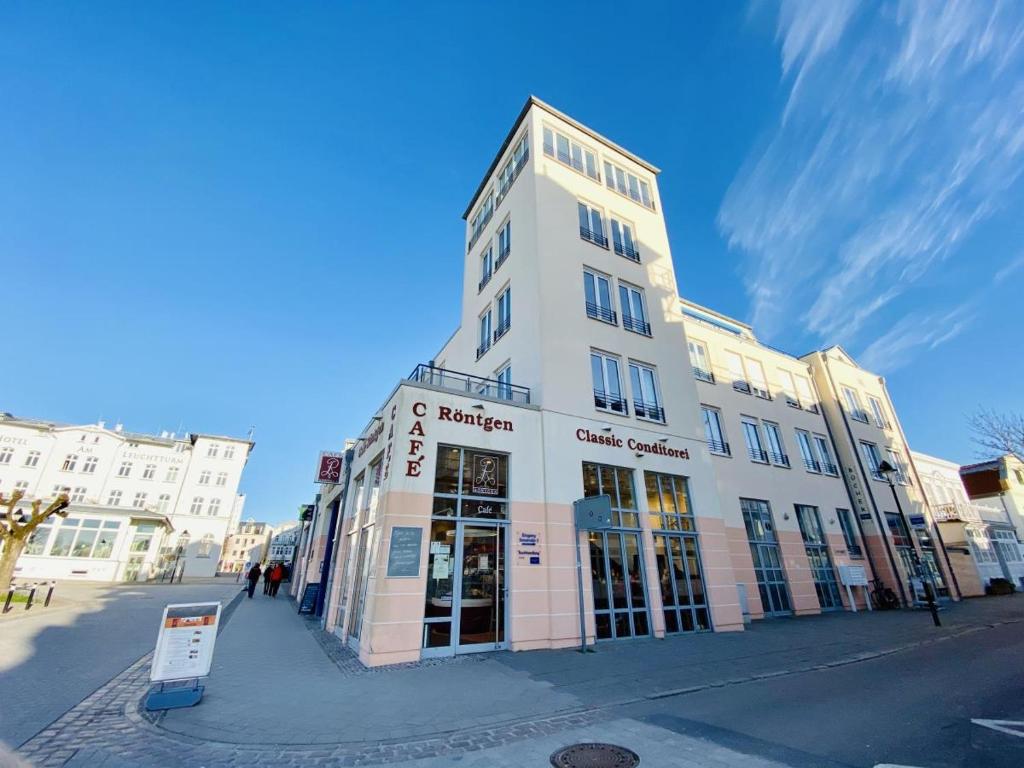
(818, 557)
(616, 557)
(764, 551)
(465, 607)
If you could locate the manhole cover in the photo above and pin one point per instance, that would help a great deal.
(595, 756)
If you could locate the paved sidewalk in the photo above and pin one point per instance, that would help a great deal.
(276, 699)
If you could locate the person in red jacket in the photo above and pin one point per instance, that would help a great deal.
(276, 574)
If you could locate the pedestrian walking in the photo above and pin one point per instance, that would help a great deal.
(276, 575)
(266, 579)
(253, 576)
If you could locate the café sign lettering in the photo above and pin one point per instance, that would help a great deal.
(612, 441)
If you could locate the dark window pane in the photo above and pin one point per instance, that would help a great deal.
(604, 626)
(671, 621)
(640, 623)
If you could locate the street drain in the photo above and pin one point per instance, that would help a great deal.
(595, 756)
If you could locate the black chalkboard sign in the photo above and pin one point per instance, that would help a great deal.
(309, 595)
(404, 554)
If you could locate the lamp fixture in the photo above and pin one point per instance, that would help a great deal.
(639, 455)
(606, 428)
(662, 439)
(478, 405)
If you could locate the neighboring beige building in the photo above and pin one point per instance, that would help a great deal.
(998, 483)
(867, 432)
(979, 536)
(246, 546)
(780, 488)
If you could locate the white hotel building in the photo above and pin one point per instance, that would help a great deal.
(135, 499)
(569, 376)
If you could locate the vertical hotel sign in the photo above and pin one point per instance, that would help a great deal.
(328, 469)
(184, 647)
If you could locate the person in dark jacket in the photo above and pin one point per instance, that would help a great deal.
(253, 576)
(276, 574)
(266, 579)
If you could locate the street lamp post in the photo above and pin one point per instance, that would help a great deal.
(888, 471)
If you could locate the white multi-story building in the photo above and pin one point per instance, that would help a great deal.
(140, 504)
(283, 543)
(246, 546)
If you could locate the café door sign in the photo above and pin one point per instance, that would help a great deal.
(184, 651)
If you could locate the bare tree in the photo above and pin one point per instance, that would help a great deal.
(998, 433)
(17, 525)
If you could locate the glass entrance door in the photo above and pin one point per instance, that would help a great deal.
(764, 551)
(818, 557)
(620, 597)
(466, 593)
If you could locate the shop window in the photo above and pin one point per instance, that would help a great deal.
(617, 482)
(668, 501)
(470, 483)
(847, 525)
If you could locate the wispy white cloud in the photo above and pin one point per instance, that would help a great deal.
(1008, 269)
(903, 132)
(896, 347)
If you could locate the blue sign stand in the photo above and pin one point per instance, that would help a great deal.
(178, 697)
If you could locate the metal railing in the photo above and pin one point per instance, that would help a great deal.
(503, 188)
(467, 383)
(607, 402)
(627, 250)
(779, 458)
(812, 465)
(598, 312)
(595, 237)
(764, 394)
(502, 258)
(630, 323)
(860, 415)
(482, 349)
(757, 454)
(741, 386)
(502, 328)
(484, 281)
(703, 375)
(651, 411)
(829, 468)
(480, 227)
(719, 446)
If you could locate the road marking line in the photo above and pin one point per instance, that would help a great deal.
(1009, 727)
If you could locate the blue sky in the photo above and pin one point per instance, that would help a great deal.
(217, 216)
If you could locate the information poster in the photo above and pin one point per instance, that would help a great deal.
(184, 647)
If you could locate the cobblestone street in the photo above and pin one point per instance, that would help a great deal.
(551, 699)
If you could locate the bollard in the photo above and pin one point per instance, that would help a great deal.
(930, 597)
(10, 596)
(49, 594)
(31, 596)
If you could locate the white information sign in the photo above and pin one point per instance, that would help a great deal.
(853, 575)
(184, 647)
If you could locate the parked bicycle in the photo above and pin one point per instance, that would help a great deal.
(883, 598)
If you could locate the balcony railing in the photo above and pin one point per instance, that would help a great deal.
(761, 392)
(484, 281)
(703, 375)
(609, 402)
(860, 415)
(741, 386)
(779, 458)
(482, 349)
(829, 468)
(651, 411)
(812, 465)
(792, 402)
(502, 328)
(504, 187)
(881, 423)
(502, 258)
(469, 384)
(631, 323)
(757, 454)
(595, 237)
(480, 227)
(598, 312)
(719, 446)
(627, 250)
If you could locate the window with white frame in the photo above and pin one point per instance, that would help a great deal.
(622, 239)
(713, 430)
(788, 387)
(511, 170)
(870, 451)
(758, 383)
(628, 184)
(125, 470)
(849, 529)
(69, 463)
(114, 500)
(646, 396)
(878, 413)
(89, 465)
(806, 394)
(634, 310)
(78, 495)
(607, 380)
(486, 266)
(163, 504)
(214, 509)
(570, 152)
(896, 460)
(504, 378)
(481, 218)
(32, 459)
(700, 361)
(828, 466)
(21, 485)
(591, 224)
(598, 294)
(149, 472)
(803, 440)
(734, 364)
(5, 455)
(212, 450)
(504, 242)
(229, 452)
(139, 502)
(172, 475)
(485, 334)
(204, 477)
(197, 505)
(776, 448)
(504, 318)
(222, 478)
(59, 489)
(755, 446)
(853, 405)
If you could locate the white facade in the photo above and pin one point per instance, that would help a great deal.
(158, 493)
(247, 545)
(283, 543)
